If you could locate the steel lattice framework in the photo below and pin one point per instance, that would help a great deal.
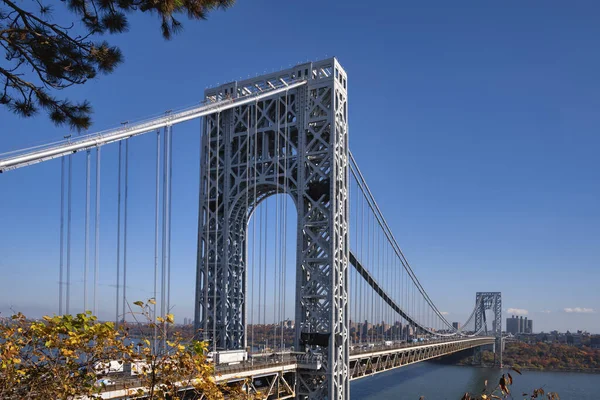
(295, 142)
(490, 301)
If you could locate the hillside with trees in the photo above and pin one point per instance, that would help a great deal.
(545, 357)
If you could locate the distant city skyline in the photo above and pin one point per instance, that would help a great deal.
(476, 127)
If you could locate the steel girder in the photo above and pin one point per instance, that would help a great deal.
(362, 365)
(490, 301)
(296, 143)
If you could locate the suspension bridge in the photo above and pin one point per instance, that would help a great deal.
(359, 309)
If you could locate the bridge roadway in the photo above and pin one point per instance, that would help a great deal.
(274, 377)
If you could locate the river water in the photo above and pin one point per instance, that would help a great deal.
(448, 382)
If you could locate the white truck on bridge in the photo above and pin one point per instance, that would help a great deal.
(228, 357)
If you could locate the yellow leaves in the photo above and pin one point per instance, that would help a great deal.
(56, 346)
(67, 352)
(139, 303)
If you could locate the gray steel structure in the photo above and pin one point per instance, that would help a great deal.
(489, 301)
(296, 143)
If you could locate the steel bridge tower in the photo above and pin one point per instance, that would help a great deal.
(489, 301)
(295, 142)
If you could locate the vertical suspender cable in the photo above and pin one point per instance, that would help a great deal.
(260, 263)
(169, 212)
(385, 309)
(366, 291)
(277, 230)
(97, 235)
(415, 308)
(69, 198)
(62, 235)
(118, 235)
(384, 286)
(392, 280)
(87, 229)
(362, 256)
(285, 217)
(373, 257)
(398, 287)
(165, 187)
(125, 207)
(378, 278)
(281, 250)
(266, 231)
(283, 235)
(395, 284)
(156, 223)
(356, 276)
(407, 298)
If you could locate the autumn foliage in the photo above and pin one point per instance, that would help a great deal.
(545, 356)
(62, 357)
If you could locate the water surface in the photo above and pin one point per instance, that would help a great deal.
(448, 382)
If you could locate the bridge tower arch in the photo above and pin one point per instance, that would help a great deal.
(489, 301)
(293, 142)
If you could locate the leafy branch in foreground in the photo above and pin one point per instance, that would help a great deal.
(41, 55)
(63, 357)
(502, 391)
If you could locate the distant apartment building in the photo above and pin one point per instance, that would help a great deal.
(512, 325)
(516, 325)
(456, 325)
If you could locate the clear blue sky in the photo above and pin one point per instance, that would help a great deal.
(476, 125)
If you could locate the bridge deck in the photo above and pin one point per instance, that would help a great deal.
(364, 361)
